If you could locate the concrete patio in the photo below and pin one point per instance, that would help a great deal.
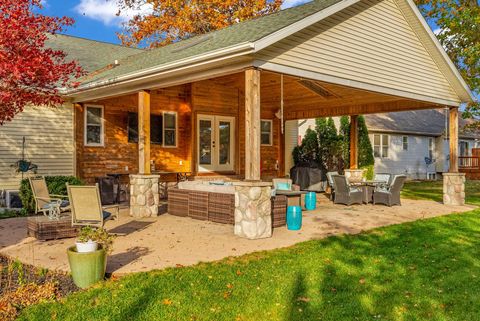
(169, 241)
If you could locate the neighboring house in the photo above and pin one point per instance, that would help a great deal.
(49, 132)
(402, 140)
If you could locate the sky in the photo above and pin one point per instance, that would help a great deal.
(97, 19)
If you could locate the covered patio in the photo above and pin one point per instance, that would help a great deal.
(221, 105)
(170, 241)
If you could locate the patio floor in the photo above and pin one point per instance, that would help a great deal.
(168, 240)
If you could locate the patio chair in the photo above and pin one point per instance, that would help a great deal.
(390, 196)
(87, 209)
(50, 205)
(344, 193)
(331, 183)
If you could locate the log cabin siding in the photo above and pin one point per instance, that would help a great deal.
(48, 136)
(370, 42)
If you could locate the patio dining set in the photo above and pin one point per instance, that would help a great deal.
(383, 189)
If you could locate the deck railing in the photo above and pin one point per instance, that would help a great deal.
(468, 162)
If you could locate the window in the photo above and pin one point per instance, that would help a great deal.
(266, 132)
(405, 142)
(380, 145)
(170, 129)
(163, 129)
(431, 148)
(93, 125)
(464, 149)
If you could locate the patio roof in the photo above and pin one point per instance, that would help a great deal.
(230, 50)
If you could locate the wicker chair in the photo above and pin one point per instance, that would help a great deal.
(383, 177)
(345, 194)
(391, 196)
(331, 183)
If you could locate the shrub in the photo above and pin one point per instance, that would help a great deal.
(369, 172)
(55, 184)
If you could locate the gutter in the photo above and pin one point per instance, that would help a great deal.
(243, 48)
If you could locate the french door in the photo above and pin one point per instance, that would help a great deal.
(215, 143)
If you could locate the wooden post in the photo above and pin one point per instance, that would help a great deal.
(354, 142)
(144, 132)
(252, 125)
(453, 139)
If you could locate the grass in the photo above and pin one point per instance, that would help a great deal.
(433, 190)
(425, 270)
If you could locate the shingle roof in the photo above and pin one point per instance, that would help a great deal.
(90, 54)
(244, 32)
(430, 122)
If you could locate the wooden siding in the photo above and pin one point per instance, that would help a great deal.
(369, 42)
(49, 143)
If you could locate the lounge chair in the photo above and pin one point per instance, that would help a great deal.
(345, 194)
(331, 183)
(50, 205)
(391, 195)
(87, 209)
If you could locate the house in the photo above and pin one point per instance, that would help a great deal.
(402, 140)
(221, 104)
(49, 132)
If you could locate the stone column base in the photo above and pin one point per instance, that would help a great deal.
(354, 175)
(454, 188)
(144, 195)
(253, 216)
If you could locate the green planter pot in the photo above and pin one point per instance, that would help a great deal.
(87, 268)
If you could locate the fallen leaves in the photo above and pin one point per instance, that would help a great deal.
(167, 302)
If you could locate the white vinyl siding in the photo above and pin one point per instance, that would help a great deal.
(49, 143)
(369, 42)
(291, 139)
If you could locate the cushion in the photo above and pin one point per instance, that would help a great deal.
(355, 189)
(381, 188)
(63, 203)
(283, 186)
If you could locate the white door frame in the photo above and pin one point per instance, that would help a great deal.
(215, 165)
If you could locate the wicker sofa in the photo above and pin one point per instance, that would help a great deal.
(216, 203)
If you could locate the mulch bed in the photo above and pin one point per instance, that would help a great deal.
(14, 274)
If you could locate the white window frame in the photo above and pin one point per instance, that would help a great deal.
(382, 145)
(270, 133)
(405, 143)
(176, 128)
(102, 126)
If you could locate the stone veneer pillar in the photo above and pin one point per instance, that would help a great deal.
(253, 216)
(144, 195)
(454, 188)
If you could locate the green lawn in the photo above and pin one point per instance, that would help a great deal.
(425, 270)
(433, 191)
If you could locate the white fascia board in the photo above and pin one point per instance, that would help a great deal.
(350, 83)
(439, 47)
(302, 24)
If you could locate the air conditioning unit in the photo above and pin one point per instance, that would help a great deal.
(12, 199)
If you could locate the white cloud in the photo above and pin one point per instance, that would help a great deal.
(293, 3)
(106, 11)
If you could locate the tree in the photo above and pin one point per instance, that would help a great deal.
(330, 145)
(307, 152)
(458, 24)
(345, 134)
(365, 150)
(30, 74)
(170, 21)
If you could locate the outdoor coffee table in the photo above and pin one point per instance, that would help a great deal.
(293, 197)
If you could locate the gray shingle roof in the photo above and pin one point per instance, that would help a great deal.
(430, 122)
(90, 54)
(244, 32)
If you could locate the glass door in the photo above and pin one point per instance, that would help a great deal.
(216, 143)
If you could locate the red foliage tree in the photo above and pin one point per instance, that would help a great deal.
(30, 74)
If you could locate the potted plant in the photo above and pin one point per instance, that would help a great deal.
(88, 267)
